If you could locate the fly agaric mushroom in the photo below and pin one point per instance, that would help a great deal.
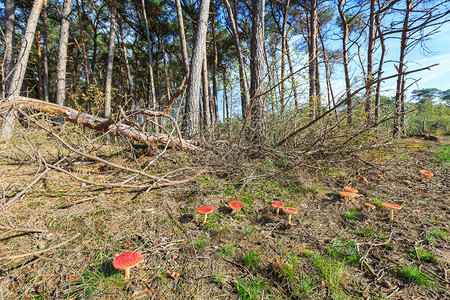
(235, 205)
(126, 261)
(350, 189)
(205, 210)
(380, 176)
(278, 205)
(425, 174)
(349, 195)
(391, 208)
(290, 211)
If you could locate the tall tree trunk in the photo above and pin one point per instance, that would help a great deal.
(182, 37)
(40, 63)
(245, 99)
(369, 75)
(62, 53)
(225, 112)
(293, 81)
(9, 43)
(399, 125)
(152, 94)
(166, 74)
(45, 53)
(109, 67)
(191, 117)
(206, 98)
(380, 67)
(83, 46)
(312, 55)
(345, 62)
(127, 67)
(257, 105)
(21, 66)
(214, 74)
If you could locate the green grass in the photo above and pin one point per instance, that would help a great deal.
(200, 243)
(413, 274)
(443, 155)
(425, 256)
(250, 290)
(331, 271)
(352, 215)
(227, 250)
(345, 250)
(251, 259)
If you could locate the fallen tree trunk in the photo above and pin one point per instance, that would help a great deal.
(100, 124)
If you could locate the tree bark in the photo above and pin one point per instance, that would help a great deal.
(127, 67)
(62, 53)
(191, 117)
(109, 67)
(21, 66)
(369, 74)
(399, 125)
(206, 98)
(245, 99)
(294, 83)
(313, 59)
(151, 94)
(40, 63)
(182, 38)
(257, 106)
(45, 53)
(380, 68)
(9, 43)
(345, 61)
(214, 101)
(83, 46)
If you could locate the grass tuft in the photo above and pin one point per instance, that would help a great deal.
(414, 275)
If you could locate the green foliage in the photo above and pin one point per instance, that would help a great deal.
(425, 256)
(227, 250)
(351, 215)
(250, 290)
(443, 155)
(331, 271)
(414, 275)
(200, 243)
(251, 259)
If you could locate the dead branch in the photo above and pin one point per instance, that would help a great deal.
(30, 230)
(95, 123)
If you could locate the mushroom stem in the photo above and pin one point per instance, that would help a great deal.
(127, 273)
(391, 215)
(278, 211)
(204, 220)
(290, 216)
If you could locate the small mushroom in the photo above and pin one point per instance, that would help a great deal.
(349, 195)
(350, 189)
(278, 205)
(126, 261)
(391, 208)
(205, 210)
(235, 206)
(290, 211)
(380, 176)
(426, 174)
(363, 179)
(369, 206)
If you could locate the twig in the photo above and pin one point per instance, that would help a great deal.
(41, 251)
(31, 230)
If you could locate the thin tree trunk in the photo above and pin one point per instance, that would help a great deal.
(225, 112)
(9, 44)
(369, 75)
(45, 53)
(245, 99)
(345, 62)
(380, 68)
(152, 94)
(21, 66)
(214, 75)
(62, 53)
(257, 105)
(294, 83)
(191, 117)
(269, 76)
(127, 66)
(182, 37)
(399, 125)
(83, 46)
(109, 67)
(206, 98)
(312, 54)
(40, 63)
(166, 74)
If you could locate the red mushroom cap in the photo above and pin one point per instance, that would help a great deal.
(205, 209)
(278, 204)
(290, 210)
(350, 189)
(235, 205)
(391, 206)
(127, 260)
(426, 174)
(349, 194)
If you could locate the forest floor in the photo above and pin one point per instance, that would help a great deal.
(332, 250)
